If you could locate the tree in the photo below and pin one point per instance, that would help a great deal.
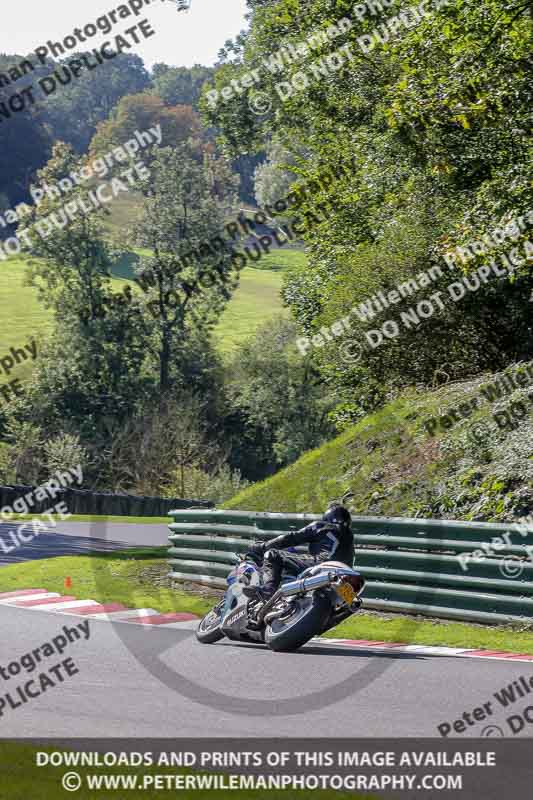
(21, 453)
(139, 112)
(92, 364)
(25, 142)
(273, 179)
(186, 280)
(436, 123)
(159, 445)
(278, 407)
(180, 85)
(64, 452)
(70, 115)
(74, 111)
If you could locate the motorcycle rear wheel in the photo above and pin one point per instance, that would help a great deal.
(308, 619)
(209, 630)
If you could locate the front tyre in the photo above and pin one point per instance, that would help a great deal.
(209, 630)
(306, 617)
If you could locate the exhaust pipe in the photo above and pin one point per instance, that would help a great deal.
(307, 584)
(296, 587)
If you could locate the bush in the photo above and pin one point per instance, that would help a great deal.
(196, 484)
(64, 452)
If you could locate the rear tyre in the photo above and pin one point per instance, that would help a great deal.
(209, 630)
(309, 617)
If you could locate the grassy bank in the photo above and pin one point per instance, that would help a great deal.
(410, 630)
(470, 468)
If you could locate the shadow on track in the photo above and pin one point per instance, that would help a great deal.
(325, 650)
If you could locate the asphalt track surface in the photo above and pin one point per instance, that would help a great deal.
(117, 694)
(77, 538)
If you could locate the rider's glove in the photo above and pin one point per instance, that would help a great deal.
(256, 552)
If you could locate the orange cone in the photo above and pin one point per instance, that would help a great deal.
(68, 582)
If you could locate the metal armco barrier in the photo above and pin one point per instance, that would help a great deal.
(418, 566)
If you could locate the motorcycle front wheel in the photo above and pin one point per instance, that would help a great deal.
(305, 618)
(209, 630)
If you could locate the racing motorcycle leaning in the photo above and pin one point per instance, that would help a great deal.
(318, 599)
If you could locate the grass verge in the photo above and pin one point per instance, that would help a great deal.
(439, 633)
(137, 578)
(134, 577)
(99, 518)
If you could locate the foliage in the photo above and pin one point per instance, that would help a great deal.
(437, 122)
(92, 365)
(140, 112)
(182, 210)
(180, 85)
(21, 454)
(74, 111)
(70, 115)
(276, 403)
(217, 485)
(25, 144)
(158, 445)
(474, 469)
(273, 178)
(64, 452)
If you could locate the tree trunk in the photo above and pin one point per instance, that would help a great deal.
(164, 363)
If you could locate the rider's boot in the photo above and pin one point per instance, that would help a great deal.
(259, 595)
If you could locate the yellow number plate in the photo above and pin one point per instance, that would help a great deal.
(346, 592)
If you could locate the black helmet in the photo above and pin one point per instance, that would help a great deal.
(337, 515)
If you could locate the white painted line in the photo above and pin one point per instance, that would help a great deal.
(66, 604)
(504, 657)
(116, 616)
(189, 624)
(434, 651)
(428, 650)
(395, 648)
(38, 596)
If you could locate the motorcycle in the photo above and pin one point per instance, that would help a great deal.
(317, 600)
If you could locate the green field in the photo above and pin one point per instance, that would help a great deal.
(256, 301)
(22, 315)
(283, 259)
(124, 211)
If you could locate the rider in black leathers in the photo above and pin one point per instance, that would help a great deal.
(328, 540)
